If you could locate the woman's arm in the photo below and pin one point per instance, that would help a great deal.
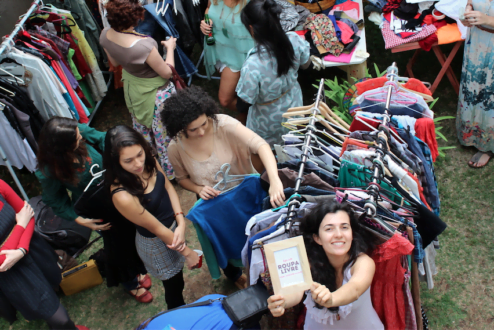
(276, 194)
(155, 61)
(363, 273)
(93, 136)
(277, 304)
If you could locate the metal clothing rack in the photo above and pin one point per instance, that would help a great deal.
(9, 41)
(309, 136)
(382, 137)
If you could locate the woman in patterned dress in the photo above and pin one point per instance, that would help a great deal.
(268, 80)
(475, 118)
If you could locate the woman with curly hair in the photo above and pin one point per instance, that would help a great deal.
(204, 140)
(342, 272)
(145, 74)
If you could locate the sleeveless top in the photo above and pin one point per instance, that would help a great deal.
(133, 58)
(359, 314)
(158, 203)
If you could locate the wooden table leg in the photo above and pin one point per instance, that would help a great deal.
(356, 71)
(412, 62)
(445, 66)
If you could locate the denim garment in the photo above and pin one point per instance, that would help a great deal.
(428, 157)
(432, 196)
(306, 190)
(151, 26)
(378, 107)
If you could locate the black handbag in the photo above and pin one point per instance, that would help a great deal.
(245, 307)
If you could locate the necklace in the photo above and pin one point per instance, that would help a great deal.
(134, 33)
(224, 30)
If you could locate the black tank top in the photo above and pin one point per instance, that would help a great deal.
(158, 203)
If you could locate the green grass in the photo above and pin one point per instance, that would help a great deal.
(463, 296)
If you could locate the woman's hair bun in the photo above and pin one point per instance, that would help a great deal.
(272, 7)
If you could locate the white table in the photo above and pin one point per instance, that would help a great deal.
(358, 65)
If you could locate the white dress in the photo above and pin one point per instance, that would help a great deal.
(359, 315)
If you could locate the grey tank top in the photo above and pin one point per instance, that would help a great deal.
(132, 59)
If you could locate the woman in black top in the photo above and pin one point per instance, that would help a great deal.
(142, 194)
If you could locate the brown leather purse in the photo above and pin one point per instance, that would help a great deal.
(176, 79)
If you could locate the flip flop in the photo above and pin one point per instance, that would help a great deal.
(475, 159)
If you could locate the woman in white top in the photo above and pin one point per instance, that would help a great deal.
(339, 298)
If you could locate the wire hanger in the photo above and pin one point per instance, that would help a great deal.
(226, 177)
(9, 92)
(96, 175)
(17, 79)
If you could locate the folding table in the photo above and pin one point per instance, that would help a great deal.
(443, 60)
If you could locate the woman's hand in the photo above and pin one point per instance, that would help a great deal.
(11, 258)
(276, 305)
(321, 295)
(276, 194)
(170, 44)
(205, 28)
(24, 215)
(93, 223)
(178, 243)
(477, 18)
(207, 192)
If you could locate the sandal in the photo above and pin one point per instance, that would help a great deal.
(475, 159)
(146, 282)
(145, 298)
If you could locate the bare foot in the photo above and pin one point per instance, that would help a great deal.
(480, 159)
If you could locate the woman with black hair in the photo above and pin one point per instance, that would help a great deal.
(204, 140)
(142, 193)
(342, 272)
(268, 80)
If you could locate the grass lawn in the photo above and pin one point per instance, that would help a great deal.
(463, 296)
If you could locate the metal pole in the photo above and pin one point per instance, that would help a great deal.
(18, 26)
(11, 170)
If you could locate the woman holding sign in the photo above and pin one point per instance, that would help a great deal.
(342, 273)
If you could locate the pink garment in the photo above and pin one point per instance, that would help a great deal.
(343, 58)
(391, 40)
(347, 6)
(352, 13)
(346, 32)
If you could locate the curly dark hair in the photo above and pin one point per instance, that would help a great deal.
(57, 150)
(321, 269)
(122, 14)
(184, 107)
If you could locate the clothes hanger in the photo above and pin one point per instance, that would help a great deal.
(2, 106)
(226, 177)
(292, 124)
(316, 163)
(17, 79)
(330, 112)
(9, 92)
(313, 148)
(96, 175)
(359, 117)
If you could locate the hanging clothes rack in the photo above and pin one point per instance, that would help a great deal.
(373, 188)
(3, 47)
(309, 136)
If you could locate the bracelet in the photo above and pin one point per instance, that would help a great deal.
(177, 214)
(23, 251)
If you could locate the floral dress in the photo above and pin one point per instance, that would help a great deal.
(269, 94)
(475, 116)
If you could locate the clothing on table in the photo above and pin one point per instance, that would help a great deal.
(323, 34)
(232, 40)
(215, 217)
(228, 147)
(122, 263)
(391, 40)
(29, 286)
(269, 94)
(387, 286)
(356, 315)
(289, 16)
(55, 192)
(475, 112)
(156, 134)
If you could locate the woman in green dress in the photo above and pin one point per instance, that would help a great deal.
(64, 163)
(232, 43)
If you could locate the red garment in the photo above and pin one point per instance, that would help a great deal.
(370, 84)
(421, 190)
(78, 58)
(350, 141)
(80, 110)
(54, 47)
(387, 294)
(391, 5)
(346, 32)
(20, 237)
(359, 126)
(426, 131)
(426, 44)
(418, 86)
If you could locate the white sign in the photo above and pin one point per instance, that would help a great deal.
(288, 266)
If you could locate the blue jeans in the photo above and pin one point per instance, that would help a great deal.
(154, 24)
